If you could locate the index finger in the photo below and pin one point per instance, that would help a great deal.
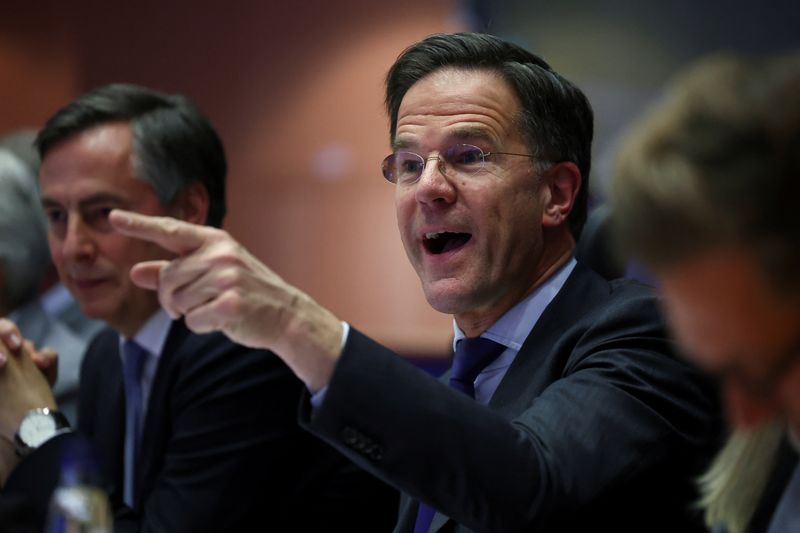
(171, 234)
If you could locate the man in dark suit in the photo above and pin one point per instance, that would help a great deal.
(707, 196)
(194, 432)
(566, 409)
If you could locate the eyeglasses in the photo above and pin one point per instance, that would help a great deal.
(405, 168)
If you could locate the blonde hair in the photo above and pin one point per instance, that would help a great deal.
(731, 488)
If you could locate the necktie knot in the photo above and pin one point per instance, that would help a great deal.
(471, 357)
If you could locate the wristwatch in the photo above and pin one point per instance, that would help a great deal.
(38, 426)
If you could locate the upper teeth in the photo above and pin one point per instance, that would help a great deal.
(434, 234)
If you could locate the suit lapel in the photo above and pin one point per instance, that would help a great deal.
(406, 514)
(538, 364)
(106, 427)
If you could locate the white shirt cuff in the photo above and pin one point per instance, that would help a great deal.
(318, 397)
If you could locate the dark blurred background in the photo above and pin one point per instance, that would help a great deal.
(295, 90)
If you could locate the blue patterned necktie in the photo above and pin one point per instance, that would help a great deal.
(134, 358)
(471, 357)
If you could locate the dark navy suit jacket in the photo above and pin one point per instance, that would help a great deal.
(596, 426)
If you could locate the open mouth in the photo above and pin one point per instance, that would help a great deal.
(445, 241)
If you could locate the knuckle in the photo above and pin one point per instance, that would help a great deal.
(195, 323)
(215, 235)
(231, 303)
(228, 278)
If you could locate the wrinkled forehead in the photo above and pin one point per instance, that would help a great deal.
(462, 102)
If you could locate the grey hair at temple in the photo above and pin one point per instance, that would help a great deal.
(174, 144)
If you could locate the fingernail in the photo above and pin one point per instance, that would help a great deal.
(2, 359)
(15, 341)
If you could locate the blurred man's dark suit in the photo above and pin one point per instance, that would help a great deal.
(221, 448)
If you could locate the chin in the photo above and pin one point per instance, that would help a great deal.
(98, 309)
(448, 300)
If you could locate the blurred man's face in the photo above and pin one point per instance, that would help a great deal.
(82, 179)
(475, 241)
(733, 323)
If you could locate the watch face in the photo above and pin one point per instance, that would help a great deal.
(37, 428)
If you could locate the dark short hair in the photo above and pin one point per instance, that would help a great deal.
(556, 118)
(174, 144)
(717, 164)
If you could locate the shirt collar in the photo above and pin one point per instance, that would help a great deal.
(153, 334)
(516, 324)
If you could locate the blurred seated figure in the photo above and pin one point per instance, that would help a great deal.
(24, 261)
(55, 299)
(706, 196)
(194, 432)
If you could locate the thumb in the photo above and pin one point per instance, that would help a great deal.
(146, 274)
(47, 362)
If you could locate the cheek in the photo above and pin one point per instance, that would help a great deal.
(516, 225)
(687, 326)
(55, 250)
(123, 253)
(404, 212)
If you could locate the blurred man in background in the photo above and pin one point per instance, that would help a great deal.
(707, 196)
(195, 433)
(24, 262)
(54, 298)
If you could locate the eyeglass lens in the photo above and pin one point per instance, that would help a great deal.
(407, 167)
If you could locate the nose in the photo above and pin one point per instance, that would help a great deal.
(77, 244)
(433, 186)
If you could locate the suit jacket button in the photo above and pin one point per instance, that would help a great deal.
(350, 436)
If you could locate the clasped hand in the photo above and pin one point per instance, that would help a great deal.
(26, 376)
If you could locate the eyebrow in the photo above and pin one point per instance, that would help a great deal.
(401, 144)
(468, 134)
(461, 134)
(99, 198)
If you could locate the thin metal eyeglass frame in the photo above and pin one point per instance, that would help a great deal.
(441, 160)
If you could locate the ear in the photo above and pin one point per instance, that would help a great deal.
(192, 204)
(563, 181)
